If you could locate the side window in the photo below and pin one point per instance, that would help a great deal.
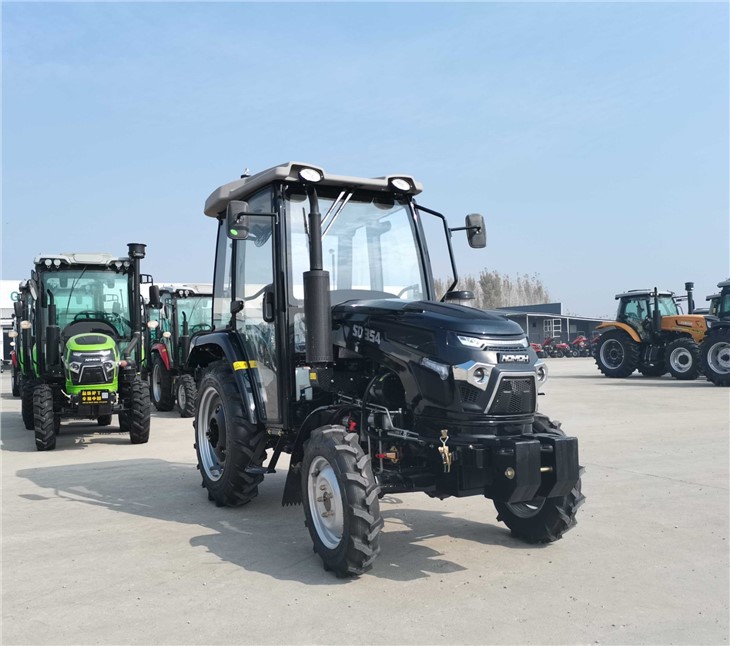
(222, 279)
(636, 309)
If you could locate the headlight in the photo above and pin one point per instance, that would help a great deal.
(311, 175)
(152, 324)
(400, 184)
(25, 325)
(74, 366)
(471, 341)
(542, 372)
(440, 369)
(12, 334)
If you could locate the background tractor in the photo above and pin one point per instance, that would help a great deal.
(370, 384)
(84, 335)
(179, 313)
(651, 335)
(18, 341)
(715, 349)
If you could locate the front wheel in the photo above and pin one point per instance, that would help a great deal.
(683, 359)
(715, 356)
(186, 393)
(15, 385)
(27, 386)
(617, 354)
(341, 505)
(135, 418)
(542, 520)
(230, 449)
(104, 420)
(43, 418)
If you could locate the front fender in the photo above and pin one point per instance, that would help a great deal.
(620, 326)
(226, 346)
(161, 349)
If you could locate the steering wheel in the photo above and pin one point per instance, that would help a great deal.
(414, 287)
(100, 315)
(200, 327)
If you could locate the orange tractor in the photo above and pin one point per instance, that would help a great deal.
(651, 335)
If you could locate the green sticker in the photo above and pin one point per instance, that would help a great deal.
(234, 232)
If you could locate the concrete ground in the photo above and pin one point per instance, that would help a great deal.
(108, 543)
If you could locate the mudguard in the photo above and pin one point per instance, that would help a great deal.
(621, 326)
(226, 346)
(161, 349)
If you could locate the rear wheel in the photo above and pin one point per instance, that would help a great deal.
(44, 420)
(715, 356)
(683, 359)
(617, 354)
(135, 419)
(230, 449)
(341, 501)
(27, 386)
(161, 385)
(104, 420)
(542, 520)
(186, 393)
(15, 385)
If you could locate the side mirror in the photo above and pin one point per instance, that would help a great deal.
(18, 309)
(154, 297)
(145, 279)
(236, 307)
(33, 287)
(237, 220)
(476, 232)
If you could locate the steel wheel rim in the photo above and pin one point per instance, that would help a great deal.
(612, 353)
(156, 382)
(181, 396)
(527, 509)
(325, 502)
(212, 458)
(680, 359)
(718, 357)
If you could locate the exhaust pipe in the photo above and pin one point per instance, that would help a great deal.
(657, 318)
(136, 253)
(689, 287)
(317, 310)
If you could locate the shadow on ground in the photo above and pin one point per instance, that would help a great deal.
(262, 536)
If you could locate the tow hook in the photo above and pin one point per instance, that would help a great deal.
(445, 451)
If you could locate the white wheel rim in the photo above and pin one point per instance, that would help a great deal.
(325, 502)
(680, 360)
(212, 453)
(181, 396)
(718, 357)
(156, 382)
(612, 353)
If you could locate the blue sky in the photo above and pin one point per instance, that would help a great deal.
(593, 137)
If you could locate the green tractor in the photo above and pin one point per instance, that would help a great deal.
(176, 315)
(715, 349)
(83, 349)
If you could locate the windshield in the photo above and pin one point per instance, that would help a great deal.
(667, 306)
(723, 306)
(83, 294)
(199, 313)
(368, 243)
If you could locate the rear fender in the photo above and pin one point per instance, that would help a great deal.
(225, 346)
(611, 325)
(161, 349)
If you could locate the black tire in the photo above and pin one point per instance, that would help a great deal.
(27, 386)
(653, 370)
(715, 356)
(617, 354)
(135, 419)
(186, 394)
(104, 420)
(542, 520)
(559, 354)
(45, 423)
(230, 449)
(161, 393)
(15, 385)
(683, 359)
(334, 464)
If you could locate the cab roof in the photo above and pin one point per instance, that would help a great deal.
(288, 172)
(102, 259)
(724, 283)
(633, 293)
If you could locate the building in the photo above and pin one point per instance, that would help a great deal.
(548, 320)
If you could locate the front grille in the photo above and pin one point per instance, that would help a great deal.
(469, 394)
(91, 375)
(506, 348)
(515, 396)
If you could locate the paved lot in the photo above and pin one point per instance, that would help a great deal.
(108, 543)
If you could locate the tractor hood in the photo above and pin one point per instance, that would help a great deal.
(429, 315)
(91, 361)
(90, 342)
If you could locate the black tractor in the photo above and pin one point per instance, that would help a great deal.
(371, 385)
(715, 349)
(175, 315)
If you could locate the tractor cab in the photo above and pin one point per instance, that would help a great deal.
(637, 308)
(21, 338)
(87, 321)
